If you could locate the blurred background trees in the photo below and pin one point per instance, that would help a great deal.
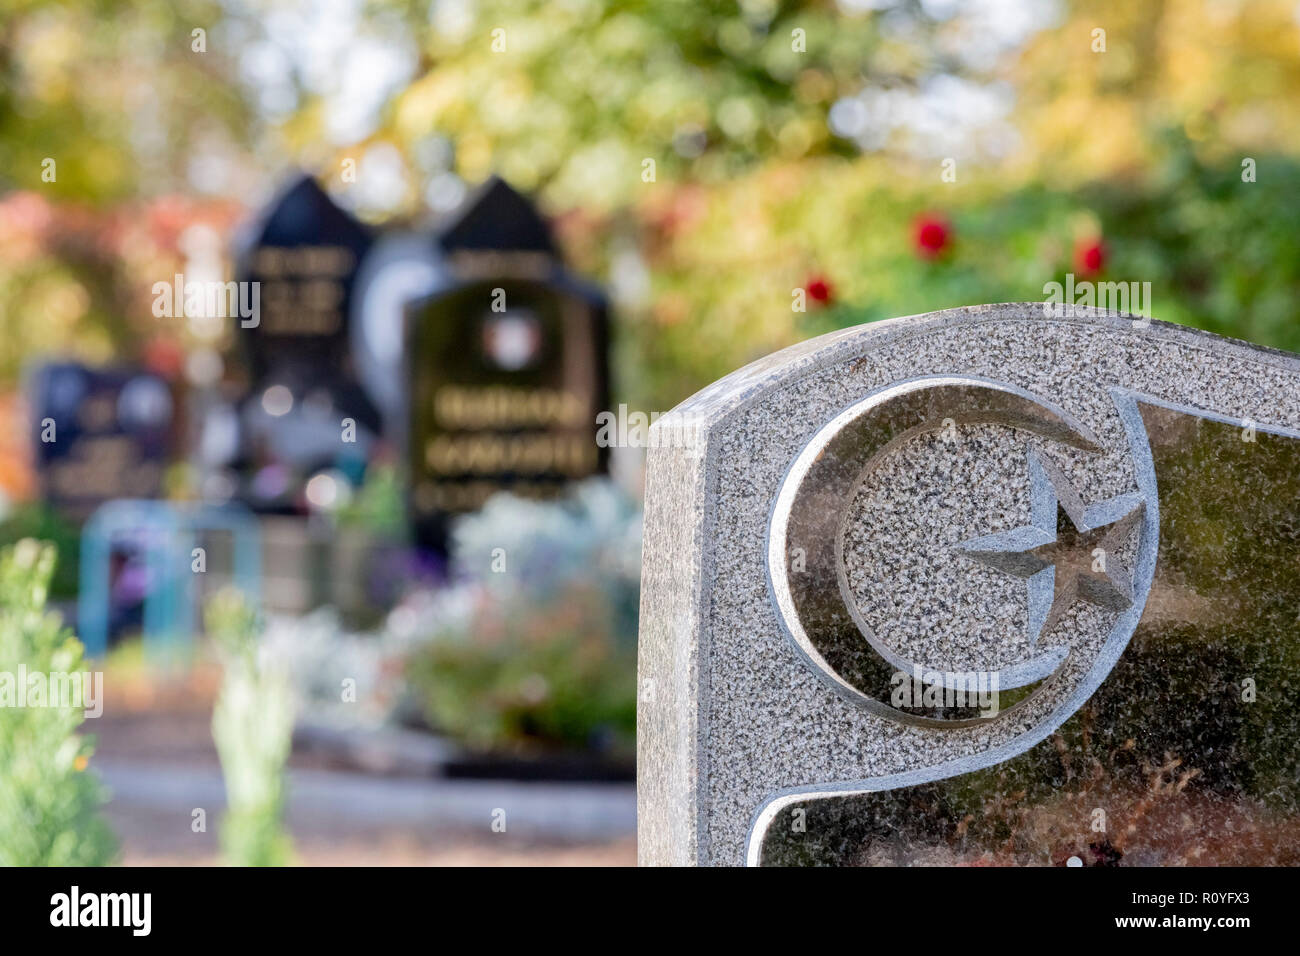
(706, 159)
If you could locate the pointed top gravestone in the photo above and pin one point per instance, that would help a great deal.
(303, 392)
(497, 219)
(986, 586)
(508, 367)
(304, 251)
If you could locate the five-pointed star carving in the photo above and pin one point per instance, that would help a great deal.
(1055, 551)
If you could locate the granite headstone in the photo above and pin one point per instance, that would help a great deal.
(986, 586)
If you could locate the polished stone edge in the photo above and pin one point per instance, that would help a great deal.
(673, 609)
(732, 393)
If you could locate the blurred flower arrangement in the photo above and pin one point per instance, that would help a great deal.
(532, 643)
(325, 652)
(49, 801)
(546, 656)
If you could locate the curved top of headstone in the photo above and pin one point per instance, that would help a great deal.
(731, 392)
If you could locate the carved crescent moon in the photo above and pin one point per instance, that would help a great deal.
(806, 574)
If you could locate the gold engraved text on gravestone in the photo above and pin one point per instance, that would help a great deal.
(504, 407)
(527, 454)
(302, 291)
(495, 430)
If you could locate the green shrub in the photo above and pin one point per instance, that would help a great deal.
(42, 523)
(49, 801)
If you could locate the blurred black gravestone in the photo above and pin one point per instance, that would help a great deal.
(305, 412)
(99, 434)
(507, 365)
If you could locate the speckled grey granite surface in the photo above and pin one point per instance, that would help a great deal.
(730, 715)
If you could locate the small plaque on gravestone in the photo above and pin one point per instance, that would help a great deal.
(983, 587)
(305, 410)
(508, 367)
(99, 434)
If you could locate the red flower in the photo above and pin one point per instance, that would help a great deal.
(164, 357)
(819, 290)
(1089, 257)
(932, 235)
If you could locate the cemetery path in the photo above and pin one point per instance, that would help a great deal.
(364, 798)
(160, 765)
(340, 818)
